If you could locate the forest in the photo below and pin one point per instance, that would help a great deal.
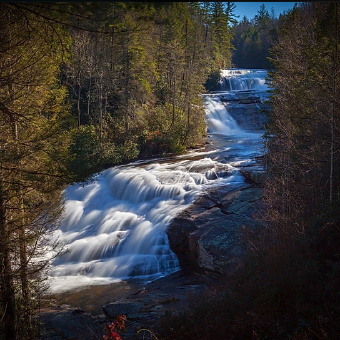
(85, 86)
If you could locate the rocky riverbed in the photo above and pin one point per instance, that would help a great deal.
(83, 314)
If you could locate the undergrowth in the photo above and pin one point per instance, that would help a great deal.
(287, 288)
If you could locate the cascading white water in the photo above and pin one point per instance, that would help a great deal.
(115, 227)
(218, 119)
(243, 80)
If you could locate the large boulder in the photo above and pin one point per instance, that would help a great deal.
(208, 234)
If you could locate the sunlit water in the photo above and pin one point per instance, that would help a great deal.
(243, 80)
(114, 228)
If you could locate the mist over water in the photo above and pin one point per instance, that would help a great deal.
(114, 228)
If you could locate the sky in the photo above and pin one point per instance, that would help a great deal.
(250, 9)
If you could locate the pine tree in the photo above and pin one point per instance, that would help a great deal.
(33, 149)
(304, 124)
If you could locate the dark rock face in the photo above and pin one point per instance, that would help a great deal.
(208, 233)
(248, 110)
(248, 115)
(254, 176)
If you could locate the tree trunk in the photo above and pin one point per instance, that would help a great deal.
(331, 174)
(25, 298)
(6, 276)
(101, 108)
(78, 101)
(127, 91)
(89, 98)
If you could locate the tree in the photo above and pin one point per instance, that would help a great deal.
(33, 147)
(254, 38)
(304, 123)
(221, 33)
(149, 59)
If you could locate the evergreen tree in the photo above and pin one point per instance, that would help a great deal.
(304, 124)
(33, 149)
(150, 60)
(254, 38)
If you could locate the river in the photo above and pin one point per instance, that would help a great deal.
(114, 227)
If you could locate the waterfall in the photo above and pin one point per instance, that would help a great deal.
(218, 119)
(243, 80)
(114, 227)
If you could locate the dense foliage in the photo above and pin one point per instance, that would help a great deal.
(137, 73)
(253, 38)
(84, 86)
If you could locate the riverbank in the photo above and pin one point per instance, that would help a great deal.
(83, 314)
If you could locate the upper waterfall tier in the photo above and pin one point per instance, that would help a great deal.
(243, 80)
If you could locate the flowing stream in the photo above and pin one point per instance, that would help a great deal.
(114, 228)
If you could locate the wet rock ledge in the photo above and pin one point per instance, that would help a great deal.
(208, 234)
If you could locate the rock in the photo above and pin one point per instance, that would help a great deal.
(206, 202)
(65, 322)
(254, 176)
(249, 113)
(130, 309)
(207, 234)
(250, 100)
(226, 195)
(221, 248)
(78, 311)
